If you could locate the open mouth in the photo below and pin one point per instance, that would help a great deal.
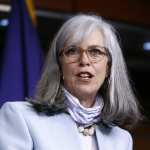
(85, 75)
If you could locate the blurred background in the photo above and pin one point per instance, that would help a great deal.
(131, 18)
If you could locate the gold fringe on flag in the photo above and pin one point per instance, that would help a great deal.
(31, 9)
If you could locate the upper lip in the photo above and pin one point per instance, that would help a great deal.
(85, 72)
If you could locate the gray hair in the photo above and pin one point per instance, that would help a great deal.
(120, 104)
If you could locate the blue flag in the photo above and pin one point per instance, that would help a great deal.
(22, 56)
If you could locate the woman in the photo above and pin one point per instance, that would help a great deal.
(82, 98)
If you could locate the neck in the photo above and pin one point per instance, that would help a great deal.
(87, 101)
(81, 115)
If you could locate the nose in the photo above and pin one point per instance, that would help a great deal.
(84, 59)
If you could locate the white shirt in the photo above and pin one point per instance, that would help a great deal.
(88, 142)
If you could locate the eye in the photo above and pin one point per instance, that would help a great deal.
(95, 52)
(71, 51)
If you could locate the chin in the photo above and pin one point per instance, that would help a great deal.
(87, 90)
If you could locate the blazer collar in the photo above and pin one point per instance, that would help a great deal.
(69, 135)
(103, 137)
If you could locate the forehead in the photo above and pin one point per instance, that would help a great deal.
(94, 38)
(85, 35)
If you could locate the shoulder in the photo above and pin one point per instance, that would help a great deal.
(113, 130)
(11, 108)
(24, 110)
(114, 137)
(22, 115)
(116, 131)
(13, 125)
(123, 136)
(122, 133)
(12, 112)
(119, 136)
(18, 105)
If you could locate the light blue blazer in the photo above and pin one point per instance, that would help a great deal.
(21, 128)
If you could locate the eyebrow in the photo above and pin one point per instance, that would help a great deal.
(91, 46)
(97, 46)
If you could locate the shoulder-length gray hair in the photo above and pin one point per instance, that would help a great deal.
(120, 105)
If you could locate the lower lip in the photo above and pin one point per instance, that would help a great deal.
(84, 79)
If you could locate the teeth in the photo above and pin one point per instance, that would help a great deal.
(84, 75)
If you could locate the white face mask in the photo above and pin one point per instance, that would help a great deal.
(82, 115)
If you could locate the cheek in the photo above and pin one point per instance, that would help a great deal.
(101, 73)
(67, 72)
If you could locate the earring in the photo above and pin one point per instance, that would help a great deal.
(61, 76)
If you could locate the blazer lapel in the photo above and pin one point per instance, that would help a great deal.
(68, 134)
(103, 138)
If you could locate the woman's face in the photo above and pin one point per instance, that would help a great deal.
(84, 77)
